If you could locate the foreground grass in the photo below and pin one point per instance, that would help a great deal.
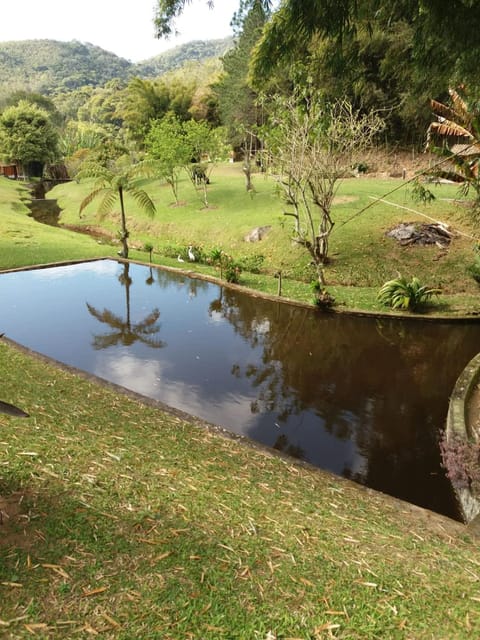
(135, 523)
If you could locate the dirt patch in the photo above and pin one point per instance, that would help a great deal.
(344, 199)
(95, 232)
(14, 522)
(398, 163)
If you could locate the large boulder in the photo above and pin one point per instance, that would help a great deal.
(257, 234)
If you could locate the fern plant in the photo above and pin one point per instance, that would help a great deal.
(401, 294)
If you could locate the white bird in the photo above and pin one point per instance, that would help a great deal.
(191, 255)
(180, 259)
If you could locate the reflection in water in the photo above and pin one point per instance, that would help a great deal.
(362, 398)
(123, 331)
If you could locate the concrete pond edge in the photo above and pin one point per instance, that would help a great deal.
(458, 428)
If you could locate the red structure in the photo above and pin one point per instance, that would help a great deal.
(9, 170)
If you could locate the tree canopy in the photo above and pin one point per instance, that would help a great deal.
(445, 35)
(27, 136)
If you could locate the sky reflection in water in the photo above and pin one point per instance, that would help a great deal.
(359, 397)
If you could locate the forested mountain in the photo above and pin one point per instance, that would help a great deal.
(49, 66)
(178, 56)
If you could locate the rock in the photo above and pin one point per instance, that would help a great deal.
(257, 234)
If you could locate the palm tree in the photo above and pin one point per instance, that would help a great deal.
(112, 183)
(455, 135)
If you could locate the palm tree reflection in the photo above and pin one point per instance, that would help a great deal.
(125, 332)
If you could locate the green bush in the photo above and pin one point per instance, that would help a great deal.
(401, 294)
(253, 263)
(227, 265)
(474, 270)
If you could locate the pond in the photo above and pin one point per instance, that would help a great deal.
(361, 397)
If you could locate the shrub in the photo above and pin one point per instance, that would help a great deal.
(461, 461)
(474, 268)
(148, 247)
(401, 294)
(227, 265)
(252, 264)
(174, 250)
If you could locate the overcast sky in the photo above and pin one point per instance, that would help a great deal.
(124, 28)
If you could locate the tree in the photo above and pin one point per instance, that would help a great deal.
(455, 136)
(312, 146)
(78, 136)
(445, 34)
(205, 145)
(237, 101)
(41, 101)
(115, 182)
(375, 70)
(27, 137)
(142, 101)
(166, 143)
(103, 105)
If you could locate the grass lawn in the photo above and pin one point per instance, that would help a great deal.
(362, 257)
(121, 520)
(26, 242)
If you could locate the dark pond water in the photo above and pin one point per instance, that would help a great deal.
(362, 398)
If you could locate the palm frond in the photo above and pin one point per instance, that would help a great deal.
(107, 202)
(108, 340)
(149, 164)
(106, 316)
(91, 196)
(450, 129)
(452, 176)
(143, 199)
(148, 322)
(461, 107)
(443, 110)
(94, 170)
(148, 168)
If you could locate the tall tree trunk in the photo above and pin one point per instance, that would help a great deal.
(124, 231)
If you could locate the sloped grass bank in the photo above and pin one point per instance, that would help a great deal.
(129, 522)
(24, 242)
(362, 257)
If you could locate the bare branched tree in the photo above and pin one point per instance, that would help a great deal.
(312, 146)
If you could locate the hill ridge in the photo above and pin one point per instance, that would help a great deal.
(47, 66)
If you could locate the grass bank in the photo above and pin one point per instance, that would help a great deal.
(362, 257)
(123, 521)
(26, 242)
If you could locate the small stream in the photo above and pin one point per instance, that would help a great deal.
(45, 211)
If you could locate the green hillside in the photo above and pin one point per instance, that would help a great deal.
(49, 66)
(175, 58)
